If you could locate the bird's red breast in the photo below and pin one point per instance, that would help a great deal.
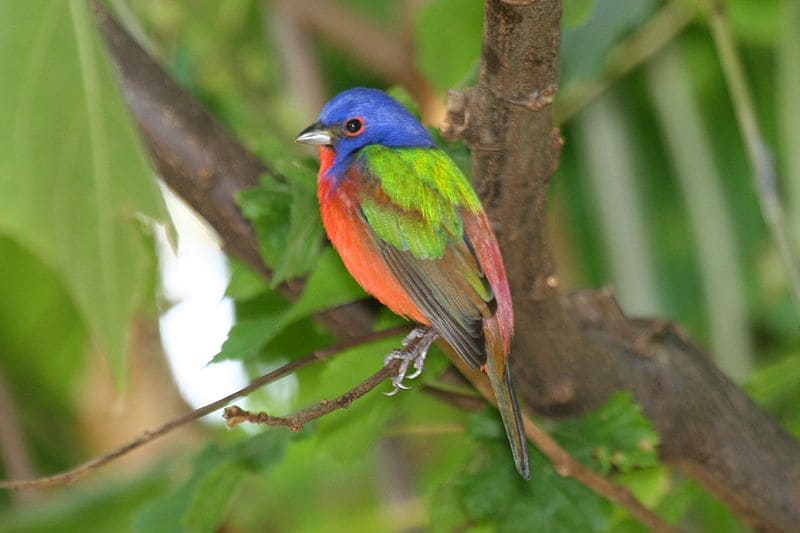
(349, 234)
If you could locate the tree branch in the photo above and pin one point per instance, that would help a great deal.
(235, 415)
(571, 351)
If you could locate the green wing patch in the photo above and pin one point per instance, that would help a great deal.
(421, 193)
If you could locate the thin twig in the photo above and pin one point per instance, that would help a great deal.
(235, 415)
(295, 422)
(72, 475)
(760, 157)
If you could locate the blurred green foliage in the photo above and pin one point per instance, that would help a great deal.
(73, 177)
(74, 261)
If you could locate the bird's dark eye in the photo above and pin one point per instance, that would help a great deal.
(353, 126)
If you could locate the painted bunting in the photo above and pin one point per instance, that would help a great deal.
(411, 230)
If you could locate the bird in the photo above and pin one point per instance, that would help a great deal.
(412, 232)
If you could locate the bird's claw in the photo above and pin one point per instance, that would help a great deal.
(414, 356)
(413, 335)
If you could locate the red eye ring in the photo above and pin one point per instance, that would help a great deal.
(354, 126)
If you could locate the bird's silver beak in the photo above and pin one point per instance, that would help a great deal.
(316, 135)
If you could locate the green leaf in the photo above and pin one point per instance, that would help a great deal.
(247, 337)
(286, 218)
(352, 432)
(43, 352)
(492, 493)
(448, 38)
(576, 12)
(33, 298)
(244, 283)
(212, 497)
(775, 388)
(201, 502)
(329, 285)
(73, 176)
(553, 503)
(615, 436)
(648, 485)
(104, 506)
(486, 425)
(755, 23)
(496, 495)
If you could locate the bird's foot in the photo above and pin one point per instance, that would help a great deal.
(415, 349)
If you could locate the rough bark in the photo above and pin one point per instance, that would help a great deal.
(571, 351)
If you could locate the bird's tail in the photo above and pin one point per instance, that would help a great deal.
(497, 368)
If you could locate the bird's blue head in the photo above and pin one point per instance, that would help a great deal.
(359, 117)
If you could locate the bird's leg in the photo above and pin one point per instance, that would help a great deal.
(415, 349)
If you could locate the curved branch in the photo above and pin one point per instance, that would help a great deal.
(235, 415)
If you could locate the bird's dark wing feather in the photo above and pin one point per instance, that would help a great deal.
(446, 291)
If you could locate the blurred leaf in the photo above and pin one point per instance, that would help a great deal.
(772, 384)
(448, 39)
(755, 22)
(616, 436)
(702, 511)
(44, 344)
(211, 498)
(585, 49)
(406, 100)
(107, 506)
(73, 176)
(286, 218)
(576, 12)
(329, 285)
(650, 486)
(247, 337)
(244, 283)
(446, 513)
(33, 298)
(776, 388)
(352, 432)
(201, 502)
(486, 425)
